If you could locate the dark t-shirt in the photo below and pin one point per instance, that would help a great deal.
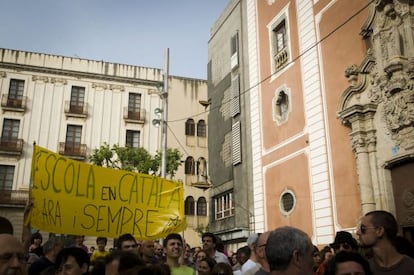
(403, 267)
(38, 266)
(261, 272)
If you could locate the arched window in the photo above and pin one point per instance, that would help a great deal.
(190, 127)
(201, 207)
(201, 128)
(189, 166)
(189, 206)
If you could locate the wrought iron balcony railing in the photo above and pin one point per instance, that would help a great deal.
(73, 150)
(134, 117)
(13, 104)
(9, 146)
(76, 110)
(14, 197)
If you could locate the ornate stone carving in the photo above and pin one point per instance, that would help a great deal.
(3, 74)
(408, 198)
(40, 78)
(60, 81)
(117, 87)
(99, 86)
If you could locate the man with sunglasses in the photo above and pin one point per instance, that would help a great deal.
(344, 242)
(378, 230)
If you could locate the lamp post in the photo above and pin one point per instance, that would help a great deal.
(164, 118)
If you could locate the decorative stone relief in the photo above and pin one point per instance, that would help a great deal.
(58, 81)
(39, 78)
(99, 86)
(117, 87)
(3, 74)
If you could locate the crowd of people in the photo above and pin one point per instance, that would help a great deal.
(285, 250)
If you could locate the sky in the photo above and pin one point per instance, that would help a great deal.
(134, 32)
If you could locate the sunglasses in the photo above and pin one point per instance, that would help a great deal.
(344, 246)
(363, 228)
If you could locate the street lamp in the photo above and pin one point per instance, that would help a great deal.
(162, 114)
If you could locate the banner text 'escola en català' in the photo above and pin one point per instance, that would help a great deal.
(71, 197)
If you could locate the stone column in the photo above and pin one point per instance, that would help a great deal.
(360, 144)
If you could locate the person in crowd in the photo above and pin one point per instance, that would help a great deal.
(101, 252)
(79, 242)
(51, 249)
(187, 258)
(209, 241)
(146, 251)
(326, 255)
(347, 262)
(316, 258)
(127, 242)
(36, 244)
(261, 254)
(289, 251)
(173, 246)
(378, 230)
(205, 266)
(199, 256)
(235, 265)
(159, 252)
(129, 260)
(112, 262)
(222, 269)
(91, 250)
(72, 261)
(251, 265)
(243, 255)
(344, 242)
(12, 256)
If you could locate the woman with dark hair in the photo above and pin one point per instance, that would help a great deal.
(222, 269)
(36, 244)
(205, 266)
(346, 262)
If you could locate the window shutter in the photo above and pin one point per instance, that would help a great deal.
(236, 143)
(235, 101)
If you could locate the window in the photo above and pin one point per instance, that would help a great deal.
(134, 106)
(189, 206)
(234, 47)
(201, 128)
(16, 90)
(280, 37)
(279, 40)
(189, 166)
(190, 127)
(224, 206)
(6, 177)
(236, 143)
(132, 138)
(287, 202)
(77, 99)
(201, 206)
(73, 139)
(10, 130)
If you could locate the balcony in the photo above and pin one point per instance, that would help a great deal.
(134, 117)
(79, 110)
(10, 104)
(73, 151)
(10, 146)
(281, 58)
(14, 197)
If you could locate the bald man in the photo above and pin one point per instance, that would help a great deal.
(12, 256)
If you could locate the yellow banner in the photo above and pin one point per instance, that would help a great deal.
(71, 197)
